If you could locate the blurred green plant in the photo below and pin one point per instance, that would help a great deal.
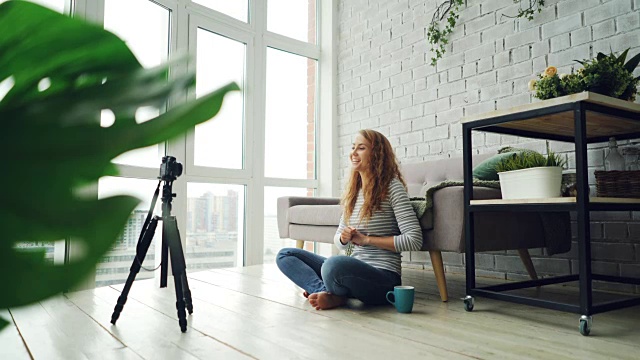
(61, 73)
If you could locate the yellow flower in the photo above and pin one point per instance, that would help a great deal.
(550, 71)
(532, 84)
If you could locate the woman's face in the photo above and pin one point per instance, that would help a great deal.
(360, 154)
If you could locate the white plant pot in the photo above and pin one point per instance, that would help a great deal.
(532, 183)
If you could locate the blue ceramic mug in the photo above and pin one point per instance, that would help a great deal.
(402, 298)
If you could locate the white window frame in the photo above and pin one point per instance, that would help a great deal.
(186, 17)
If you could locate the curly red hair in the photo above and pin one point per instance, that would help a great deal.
(383, 167)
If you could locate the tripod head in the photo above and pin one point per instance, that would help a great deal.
(170, 169)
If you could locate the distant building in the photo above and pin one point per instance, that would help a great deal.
(211, 239)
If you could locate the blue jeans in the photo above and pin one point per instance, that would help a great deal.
(338, 275)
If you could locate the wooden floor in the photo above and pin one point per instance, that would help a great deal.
(256, 313)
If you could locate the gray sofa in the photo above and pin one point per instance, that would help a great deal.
(316, 219)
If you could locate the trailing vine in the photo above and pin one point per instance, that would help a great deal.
(534, 6)
(450, 9)
(438, 39)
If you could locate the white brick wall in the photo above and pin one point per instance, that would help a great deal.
(385, 80)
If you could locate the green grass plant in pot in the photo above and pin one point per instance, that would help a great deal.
(58, 73)
(530, 175)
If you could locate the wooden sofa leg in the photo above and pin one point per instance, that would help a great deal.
(528, 264)
(438, 269)
(299, 244)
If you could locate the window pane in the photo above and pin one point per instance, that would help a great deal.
(272, 241)
(50, 249)
(149, 41)
(293, 18)
(114, 268)
(235, 8)
(57, 5)
(219, 143)
(290, 116)
(215, 226)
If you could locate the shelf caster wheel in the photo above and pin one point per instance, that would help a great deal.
(585, 325)
(468, 303)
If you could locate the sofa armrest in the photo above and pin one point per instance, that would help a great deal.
(285, 202)
(448, 217)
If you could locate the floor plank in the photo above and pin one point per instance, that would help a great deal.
(11, 344)
(257, 313)
(148, 332)
(50, 330)
(280, 324)
(492, 323)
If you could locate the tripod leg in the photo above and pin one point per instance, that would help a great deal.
(164, 259)
(141, 253)
(185, 283)
(178, 267)
(182, 314)
(187, 293)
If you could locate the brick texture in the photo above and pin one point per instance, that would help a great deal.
(385, 81)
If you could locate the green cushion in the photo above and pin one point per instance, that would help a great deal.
(486, 170)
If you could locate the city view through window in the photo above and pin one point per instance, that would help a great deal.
(214, 225)
(214, 214)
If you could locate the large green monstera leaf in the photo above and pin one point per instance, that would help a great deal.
(52, 143)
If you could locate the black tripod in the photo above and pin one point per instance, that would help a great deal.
(171, 245)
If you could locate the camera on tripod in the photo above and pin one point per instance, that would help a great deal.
(170, 169)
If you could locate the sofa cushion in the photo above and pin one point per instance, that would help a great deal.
(486, 170)
(323, 234)
(315, 215)
(423, 175)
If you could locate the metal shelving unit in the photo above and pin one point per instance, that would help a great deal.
(581, 119)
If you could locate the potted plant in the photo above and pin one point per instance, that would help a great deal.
(609, 75)
(528, 174)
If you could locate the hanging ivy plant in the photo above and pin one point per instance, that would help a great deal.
(437, 38)
(450, 9)
(527, 13)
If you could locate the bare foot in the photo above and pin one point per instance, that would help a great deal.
(305, 294)
(324, 300)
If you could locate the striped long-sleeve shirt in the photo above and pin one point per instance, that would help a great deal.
(395, 218)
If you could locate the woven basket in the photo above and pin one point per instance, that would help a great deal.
(623, 184)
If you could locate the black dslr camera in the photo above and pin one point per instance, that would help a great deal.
(170, 169)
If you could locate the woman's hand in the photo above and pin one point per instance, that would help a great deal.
(360, 239)
(347, 234)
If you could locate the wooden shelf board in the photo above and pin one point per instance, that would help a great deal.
(598, 124)
(556, 200)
